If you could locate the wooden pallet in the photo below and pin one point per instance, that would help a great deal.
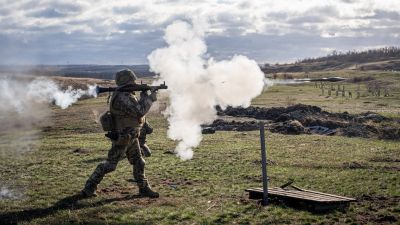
(312, 200)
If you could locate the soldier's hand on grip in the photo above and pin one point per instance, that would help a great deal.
(153, 95)
(143, 94)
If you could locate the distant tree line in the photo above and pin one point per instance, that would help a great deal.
(355, 56)
(340, 60)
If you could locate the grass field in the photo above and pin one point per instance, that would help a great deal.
(209, 189)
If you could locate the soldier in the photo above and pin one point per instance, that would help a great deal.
(129, 116)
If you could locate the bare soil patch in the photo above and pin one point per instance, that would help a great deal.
(378, 204)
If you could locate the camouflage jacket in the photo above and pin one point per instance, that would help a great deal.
(128, 111)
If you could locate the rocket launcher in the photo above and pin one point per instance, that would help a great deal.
(131, 88)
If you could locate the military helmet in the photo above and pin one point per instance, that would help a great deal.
(124, 77)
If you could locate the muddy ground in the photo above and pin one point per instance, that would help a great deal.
(307, 119)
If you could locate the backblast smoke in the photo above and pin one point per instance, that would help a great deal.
(198, 83)
(24, 106)
(24, 109)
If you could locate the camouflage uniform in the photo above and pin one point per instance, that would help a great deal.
(129, 117)
(146, 129)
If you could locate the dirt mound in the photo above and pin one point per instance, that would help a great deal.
(289, 127)
(376, 204)
(307, 119)
(275, 113)
(304, 113)
(233, 125)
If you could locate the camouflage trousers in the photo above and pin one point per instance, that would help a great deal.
(127, 146)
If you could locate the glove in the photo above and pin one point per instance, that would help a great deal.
(147, 128)
(153, 96)
(143, 94)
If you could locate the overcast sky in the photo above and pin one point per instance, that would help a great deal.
(126, 31)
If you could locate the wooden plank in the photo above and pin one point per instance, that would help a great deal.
(314, 194)
(299, 195)
(291, 195)
(311, 200)
(305, 195)
(332, 195)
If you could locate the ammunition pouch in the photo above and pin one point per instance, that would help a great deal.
(147, 128)
(107, 121)
(113, 135)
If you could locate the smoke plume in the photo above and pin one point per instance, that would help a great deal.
(271, 82)
(24, 109)
(197, 83)
(6, 193)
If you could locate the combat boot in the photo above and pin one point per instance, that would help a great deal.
(145, 150)
(89, 190)
(146, 191)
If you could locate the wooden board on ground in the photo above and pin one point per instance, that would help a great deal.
(312, 200)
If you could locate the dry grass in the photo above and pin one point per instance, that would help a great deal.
(210, 188)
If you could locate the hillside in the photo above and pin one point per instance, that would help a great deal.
(383, 59)
(90, 71)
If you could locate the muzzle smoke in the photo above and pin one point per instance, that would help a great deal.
(197, 83)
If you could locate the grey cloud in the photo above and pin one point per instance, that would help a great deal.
(233, 24)
(323, 12)
(278, 15)
(349, 1)
(47, 13)
(244, 5)
(61, 48)
(68, 8)
(390, 15)
(312, 15)
(62, 36)
(126, 10)
(273, 48)
(330, 10)
(5, 11)
(131, 26)
(53, 10)
(307, 19)
(27, 5)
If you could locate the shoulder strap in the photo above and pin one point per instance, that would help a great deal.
(113, 97)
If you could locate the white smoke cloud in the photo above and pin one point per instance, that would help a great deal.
(19, 96)
(24, 109)
(196, 83)
(6, 193)
(270, 82)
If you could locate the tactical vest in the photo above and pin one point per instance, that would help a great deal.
(122, 120)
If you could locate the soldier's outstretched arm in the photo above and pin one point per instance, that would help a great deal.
(127, 104)
(147, 100)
